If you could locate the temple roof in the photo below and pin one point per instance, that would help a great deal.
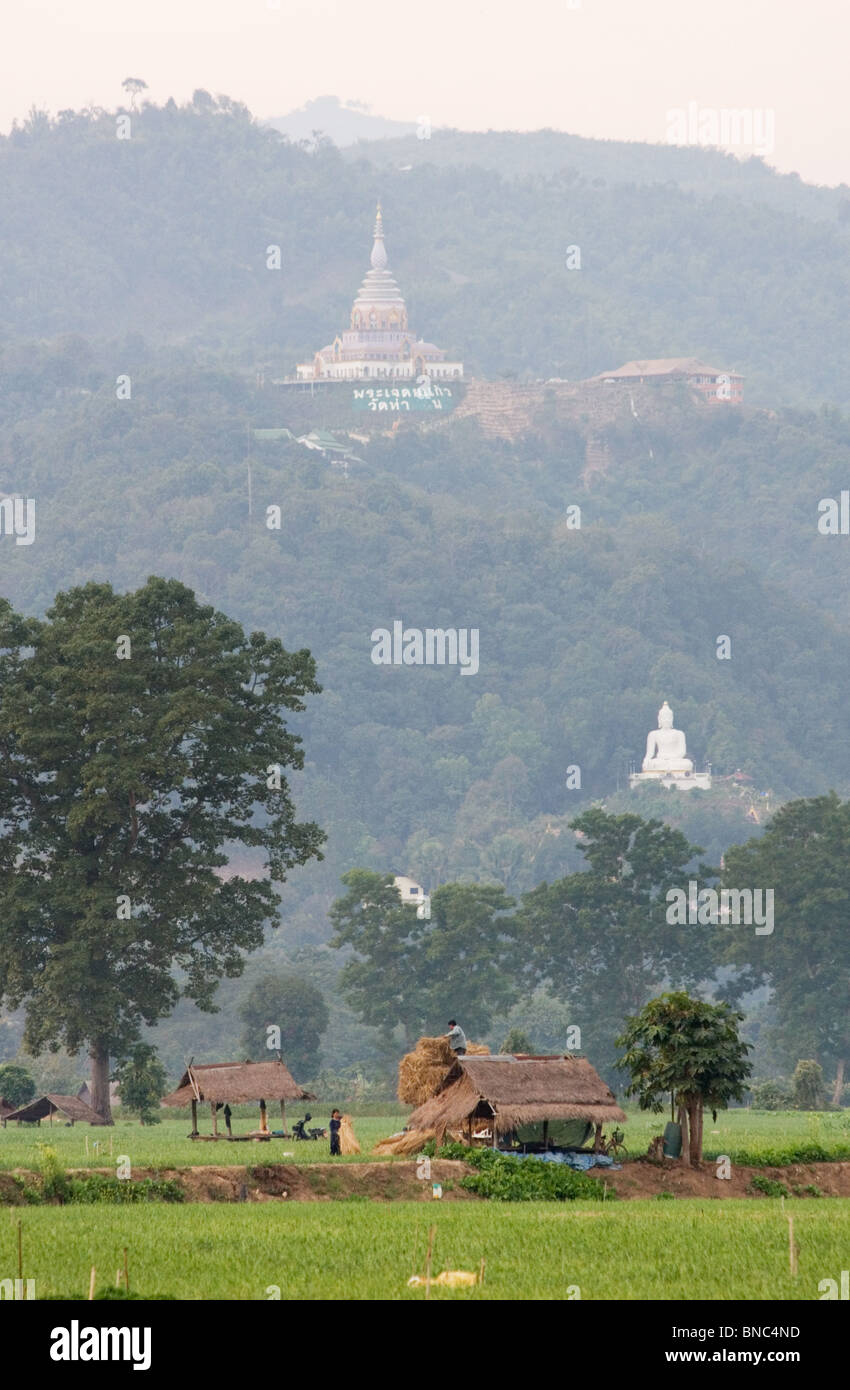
(379, 287)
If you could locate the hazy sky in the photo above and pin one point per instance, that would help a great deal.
(609, 68)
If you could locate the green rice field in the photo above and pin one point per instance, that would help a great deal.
(747, 1136)
(358, 1250)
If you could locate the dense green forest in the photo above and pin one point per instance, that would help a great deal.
(151, 264)
(165, 233)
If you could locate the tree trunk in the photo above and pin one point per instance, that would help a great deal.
(686, 1138)
(839, 1083)
(696, 1113)
(99, 1055)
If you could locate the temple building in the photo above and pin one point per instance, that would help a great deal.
(713, 384)
(379, 344)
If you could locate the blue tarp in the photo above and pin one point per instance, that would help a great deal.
(581, 1162)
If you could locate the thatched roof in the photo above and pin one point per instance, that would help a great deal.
(70, 1106)
(84, 1094)
(237, 1082)
(519, 1091)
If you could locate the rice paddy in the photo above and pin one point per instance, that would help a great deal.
(351, 1251)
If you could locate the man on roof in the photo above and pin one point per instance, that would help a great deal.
(457, 1038)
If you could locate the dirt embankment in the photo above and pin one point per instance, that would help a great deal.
(308, 1182)
(398, 1181)
(322, 1182)
(642, 1178)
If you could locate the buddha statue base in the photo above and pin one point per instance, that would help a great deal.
(682, 781)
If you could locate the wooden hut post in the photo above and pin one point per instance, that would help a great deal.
(283, 1115)
(194, 1116)
(545, 1134)
(264, 1128)
(214, 1114)
(597, 1141)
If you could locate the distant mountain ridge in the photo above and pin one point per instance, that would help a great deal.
(343, 122)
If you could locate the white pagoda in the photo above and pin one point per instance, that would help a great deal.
(379, 345)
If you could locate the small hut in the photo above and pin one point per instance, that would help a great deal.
(46, 1106)
(84, 1094)
(237, 1083)
(485, 1099)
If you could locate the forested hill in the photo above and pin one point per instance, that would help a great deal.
(702, 522)
(706, 173)
(164, 236)
(705, 524)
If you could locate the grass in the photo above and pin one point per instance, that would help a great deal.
(757, 1137)
(166, 1145)
(747, 1136)
(639, 1250)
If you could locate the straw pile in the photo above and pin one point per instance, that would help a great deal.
(347, 1141)
(421, 1071)
(409, 1143)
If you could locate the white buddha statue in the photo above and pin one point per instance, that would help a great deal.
(666, 747)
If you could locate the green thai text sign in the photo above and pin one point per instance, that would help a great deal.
(401, 400)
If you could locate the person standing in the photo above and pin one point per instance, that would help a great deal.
(457, 1038)
(336, 1121)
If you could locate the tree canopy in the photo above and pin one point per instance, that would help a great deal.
(296, 1010)
(689, 1050)
(804, 858)
(139, 732)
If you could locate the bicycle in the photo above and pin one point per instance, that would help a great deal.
(614, 1147)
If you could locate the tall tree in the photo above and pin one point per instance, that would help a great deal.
(804, 857)
(142, 1082)
(600, 939)
(141, 734)
(468, 961)
(134, 86)
(689, 1050)
(414, 973)
(297, 1008)
(380, 979)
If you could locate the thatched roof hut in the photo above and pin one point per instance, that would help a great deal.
(47, 1106)
(504, 1093)
(235, 1083)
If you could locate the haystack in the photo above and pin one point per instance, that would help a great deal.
(411, 1142)
(421, 1071)
(347, 1140)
